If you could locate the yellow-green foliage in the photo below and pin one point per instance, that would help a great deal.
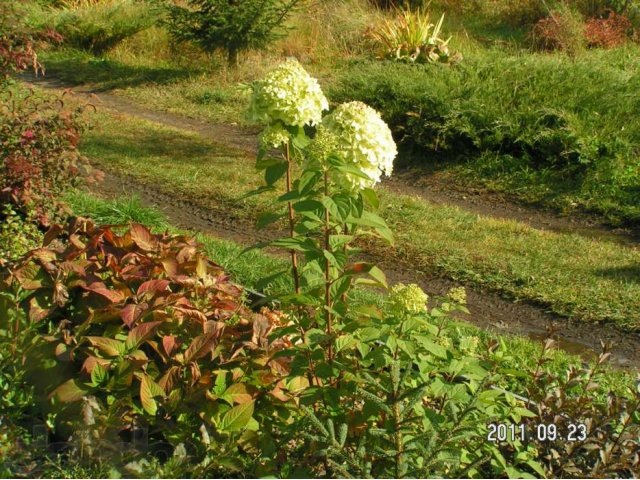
(411, 36)
(17, 236)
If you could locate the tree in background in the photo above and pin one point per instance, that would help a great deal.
(231, 25)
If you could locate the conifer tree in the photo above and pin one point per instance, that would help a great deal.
(230, 25)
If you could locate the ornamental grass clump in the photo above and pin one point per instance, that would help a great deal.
(411, 37)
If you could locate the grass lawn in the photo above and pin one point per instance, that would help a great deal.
(586, 279)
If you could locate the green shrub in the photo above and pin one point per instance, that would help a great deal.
(229, 25)
(17, 236)
(495, 113)
(17, 51)
(100, 26)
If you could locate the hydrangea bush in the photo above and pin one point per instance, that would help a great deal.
(368, 369)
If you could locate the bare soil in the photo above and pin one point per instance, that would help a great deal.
(489, 310)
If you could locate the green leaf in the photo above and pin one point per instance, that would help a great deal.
(343, 204)
(332, 207)
(371, 197)
(315, 336)
(237, 418)
(368, 219)
(308, 181)
(149, 390)
(331, 257)
(70, 391)
(296, 243)
(238, 393)
(340, 286)
(275, 172)
(99, 375)
(337, 241)
(345, 342)
(379, 276)
(268, 218)
(264, 163)
(307, 206)
(265, 281)
(108, 346)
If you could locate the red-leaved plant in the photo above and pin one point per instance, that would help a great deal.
(38, 148)
(608, 32)
(145, 329)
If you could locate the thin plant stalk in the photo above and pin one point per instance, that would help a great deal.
(327, 264)
(294, 256)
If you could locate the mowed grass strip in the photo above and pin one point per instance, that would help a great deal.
(585, 279)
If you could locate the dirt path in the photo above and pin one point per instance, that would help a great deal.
(489, 310)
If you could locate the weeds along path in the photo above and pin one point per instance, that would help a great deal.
(489, 310)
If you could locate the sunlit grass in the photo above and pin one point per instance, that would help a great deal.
(582, 278)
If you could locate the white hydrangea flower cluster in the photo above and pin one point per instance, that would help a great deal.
(290, 95)
(274, 136)
(365, 141)
(408, 298)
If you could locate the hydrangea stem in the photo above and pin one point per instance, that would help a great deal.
(327, 266)
(294, 257)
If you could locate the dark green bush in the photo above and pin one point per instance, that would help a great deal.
(229, 25)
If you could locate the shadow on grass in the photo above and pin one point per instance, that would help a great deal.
(627, 274)
(145, 143)
(108, 74)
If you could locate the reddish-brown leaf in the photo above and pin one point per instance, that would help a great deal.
(191, 313)
(143, 238)
(101, 289)
(52, 234)
(200, 346)
(170, 344)
(132, 312)
(170, 265)
(186, 254)
(141, 333)
(154, 287)
(168, 380)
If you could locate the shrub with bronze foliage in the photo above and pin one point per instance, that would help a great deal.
(144, 329)
(38, 148)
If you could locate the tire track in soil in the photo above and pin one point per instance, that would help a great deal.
(489, 310)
